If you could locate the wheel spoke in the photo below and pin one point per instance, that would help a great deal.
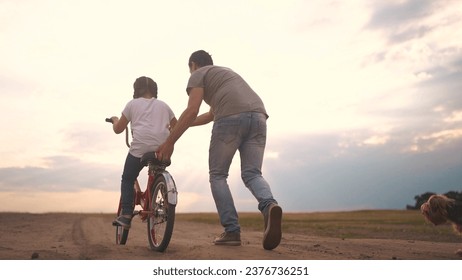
(160, 222)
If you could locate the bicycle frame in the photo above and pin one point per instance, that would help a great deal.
(143, 198)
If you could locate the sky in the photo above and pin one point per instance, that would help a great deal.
(363, 98)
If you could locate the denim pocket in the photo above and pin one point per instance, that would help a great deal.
(226, 130)
(261, 132)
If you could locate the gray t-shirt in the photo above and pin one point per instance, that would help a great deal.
(150, 121)
(225, 91)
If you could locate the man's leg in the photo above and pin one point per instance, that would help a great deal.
(223, 145)
(252, 151)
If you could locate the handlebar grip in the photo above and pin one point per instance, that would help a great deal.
(109, 120)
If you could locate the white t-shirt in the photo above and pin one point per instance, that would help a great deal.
(149, 120)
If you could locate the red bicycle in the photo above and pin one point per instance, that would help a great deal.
(157, 203)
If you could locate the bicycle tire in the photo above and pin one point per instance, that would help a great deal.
(121, 232)
(162, 218)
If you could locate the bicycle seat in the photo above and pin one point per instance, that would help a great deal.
(151, 157)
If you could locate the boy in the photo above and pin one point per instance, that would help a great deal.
(150, 120)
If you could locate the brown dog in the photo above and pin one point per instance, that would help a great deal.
(440, 209)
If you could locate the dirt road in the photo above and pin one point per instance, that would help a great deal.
(91, 236)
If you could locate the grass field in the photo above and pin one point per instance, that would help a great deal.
(374, 224)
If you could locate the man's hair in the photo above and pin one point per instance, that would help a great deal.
(201, 58)
(143, 84)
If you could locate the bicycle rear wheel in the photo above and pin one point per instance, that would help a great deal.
(162, 218)
(121, 232)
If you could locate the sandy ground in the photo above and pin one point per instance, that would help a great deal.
(59, 236)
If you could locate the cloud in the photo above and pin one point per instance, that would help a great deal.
(39, 201)
(377, 140)
(403, 20)
(419, 35)
(61, 174)
(455, 117)
(444, 88)
(12, 86)
(322, 172)
(429, 102)
(430, 142)
(92, 139)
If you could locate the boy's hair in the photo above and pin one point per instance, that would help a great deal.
(144, 84)
(201, 58)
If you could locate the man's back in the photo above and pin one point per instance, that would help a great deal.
(226, 91)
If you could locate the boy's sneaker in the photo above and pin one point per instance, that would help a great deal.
(228, 239)
(273, 231)
(123, 221)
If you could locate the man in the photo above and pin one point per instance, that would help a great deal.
(239, 124)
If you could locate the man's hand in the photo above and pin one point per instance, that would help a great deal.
(165, 151)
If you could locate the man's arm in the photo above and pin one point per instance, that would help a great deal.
(186, 119)
(204, 118)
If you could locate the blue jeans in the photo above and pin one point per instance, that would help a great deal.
(131, 171)
(245, 132)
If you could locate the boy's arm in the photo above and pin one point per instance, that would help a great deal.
(172, 123)
(119, 125)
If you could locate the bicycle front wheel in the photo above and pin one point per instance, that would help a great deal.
(161, 218)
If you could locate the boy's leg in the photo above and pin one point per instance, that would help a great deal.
(131, 171)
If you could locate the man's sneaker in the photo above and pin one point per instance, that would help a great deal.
(273, 231)
(122, 221)
(228, 239)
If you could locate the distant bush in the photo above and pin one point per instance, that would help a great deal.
(421, 199)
